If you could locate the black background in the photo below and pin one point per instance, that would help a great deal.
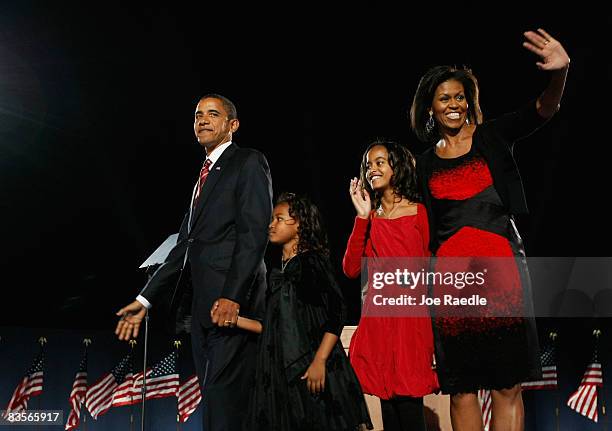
(98, 157)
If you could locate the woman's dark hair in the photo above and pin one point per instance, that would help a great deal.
(423, 99)
(402, 162)
(311, 234)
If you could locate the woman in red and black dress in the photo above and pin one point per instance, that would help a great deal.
(471, 188)
(392, 356)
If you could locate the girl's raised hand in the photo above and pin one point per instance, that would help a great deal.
(360, 198)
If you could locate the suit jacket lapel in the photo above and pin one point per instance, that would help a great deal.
(213, 176)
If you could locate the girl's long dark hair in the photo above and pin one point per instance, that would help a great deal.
(312, 235)
(403, 163)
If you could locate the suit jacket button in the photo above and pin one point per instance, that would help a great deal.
(190, 240)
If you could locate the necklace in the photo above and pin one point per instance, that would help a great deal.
(381, 212)
(285, 262)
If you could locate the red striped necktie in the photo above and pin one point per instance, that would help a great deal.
(203, 174)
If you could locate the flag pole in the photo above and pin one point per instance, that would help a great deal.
(553, 336)
(600, 391)
(42, 341)
(177, 345)
(86, 342)
(603, 410)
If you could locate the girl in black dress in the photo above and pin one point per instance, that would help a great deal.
(303, 380)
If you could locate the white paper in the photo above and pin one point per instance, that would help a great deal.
(159, 256)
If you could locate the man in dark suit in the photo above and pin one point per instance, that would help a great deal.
(222, 242)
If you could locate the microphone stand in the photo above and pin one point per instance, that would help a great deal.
(144, 371)
(150, 271)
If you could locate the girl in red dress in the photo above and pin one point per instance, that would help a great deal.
(392, 356)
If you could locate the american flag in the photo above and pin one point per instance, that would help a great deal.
(549, 380)
(162, 381)
(484, 399)
(584, 400)
(100, 396)
(189, 396)
(77, 396)
(30, 386)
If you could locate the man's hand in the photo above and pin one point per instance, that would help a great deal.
(131, 317)
(224, 313)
